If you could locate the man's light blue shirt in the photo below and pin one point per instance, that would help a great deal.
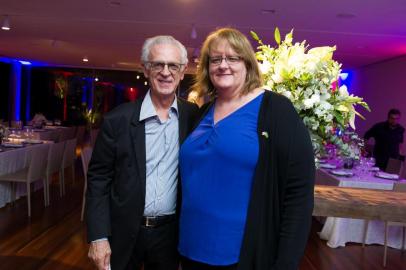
(162, 151)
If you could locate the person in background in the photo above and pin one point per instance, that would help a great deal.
(133, 173)
(39, 120)
(388, 136)
(247, 169)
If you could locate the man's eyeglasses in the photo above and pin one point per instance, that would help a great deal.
(159, 66)
(231, 60)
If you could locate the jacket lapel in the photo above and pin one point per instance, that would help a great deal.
(137, 136)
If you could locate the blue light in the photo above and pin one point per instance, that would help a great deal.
(28, 93)
(84, 94)
(9, 60)
(25, 62)
(16, 66)
(347, 76)
(5, 60)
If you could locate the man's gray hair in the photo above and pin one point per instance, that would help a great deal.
(159, 40)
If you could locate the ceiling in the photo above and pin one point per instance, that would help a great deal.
(111, 32)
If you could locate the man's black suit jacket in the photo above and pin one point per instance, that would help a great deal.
(116, 177)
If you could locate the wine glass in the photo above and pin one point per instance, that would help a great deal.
(363, 167)
(26, 132)
(370, 162)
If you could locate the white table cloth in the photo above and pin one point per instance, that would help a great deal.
(50, 133)
(339, 231)
(11, 161)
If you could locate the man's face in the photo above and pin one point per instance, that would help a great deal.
(164, 69)
(393, 119)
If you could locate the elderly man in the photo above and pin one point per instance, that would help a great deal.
(132, 195)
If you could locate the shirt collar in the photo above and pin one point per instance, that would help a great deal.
(148, 109)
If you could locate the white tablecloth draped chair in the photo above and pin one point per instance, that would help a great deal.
(35, 171)
(86, 154)
(55, 157)
(69, 158)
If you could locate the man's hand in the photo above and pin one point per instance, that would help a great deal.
(99, 253)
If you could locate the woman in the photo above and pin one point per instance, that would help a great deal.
(247, 169)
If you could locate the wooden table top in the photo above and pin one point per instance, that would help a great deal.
(333, 201)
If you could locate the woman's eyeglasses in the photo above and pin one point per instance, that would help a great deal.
(231, 60)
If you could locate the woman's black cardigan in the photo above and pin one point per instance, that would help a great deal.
(281, 203)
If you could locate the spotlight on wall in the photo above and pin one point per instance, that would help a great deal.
(6, 23)
(85, 59)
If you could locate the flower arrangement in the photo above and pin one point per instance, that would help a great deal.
(309, 78)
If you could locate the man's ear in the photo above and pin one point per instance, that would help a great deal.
(145, 71)
(183, 73)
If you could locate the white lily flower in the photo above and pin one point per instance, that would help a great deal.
(309, 80)
(265, 66)
(343, 90)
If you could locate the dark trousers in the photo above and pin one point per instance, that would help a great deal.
(193, 265)
(156, 248)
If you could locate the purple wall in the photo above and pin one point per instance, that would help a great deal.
(383, 86)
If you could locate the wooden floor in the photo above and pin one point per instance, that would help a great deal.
(54, 238)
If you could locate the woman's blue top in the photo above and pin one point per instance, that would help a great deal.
(217, 165)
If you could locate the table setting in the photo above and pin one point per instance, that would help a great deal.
(357, 173)
(355, 170)
(20, 138)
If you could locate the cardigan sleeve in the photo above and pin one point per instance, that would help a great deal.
(297, 202)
